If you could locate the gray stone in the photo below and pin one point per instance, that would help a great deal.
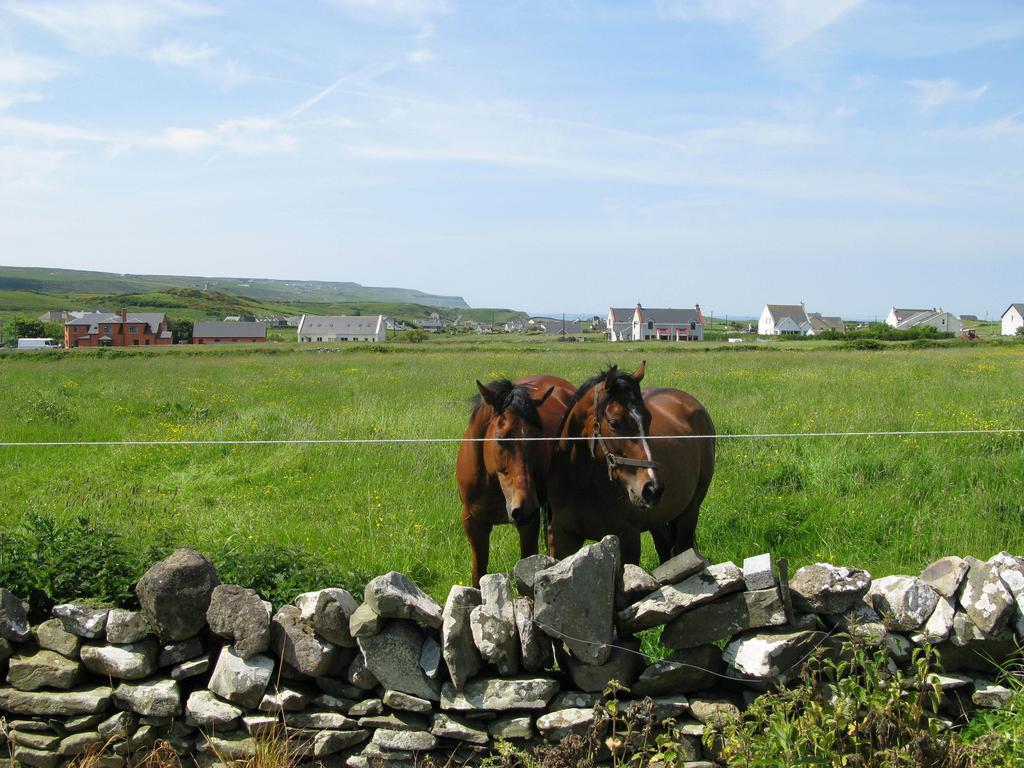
(965, 632)
(366, 707)
(393, 656)
(205, 710)
(403, 701)
(284, 699)
(364, 622)
(759, 572)
(900, 648)
(940, 624)
(43, 669)
(37, 758)
(52, 636)
(80, 743)
(394, 596)
(574, 600)
(673, 599)
(458, 729)
(295, 641)
(239, 614)
(156, 698)
(360, 677)
(826, 588)
(574, 700)
(338, 688)
(714, 710)
(988, 695)
(511, 727)
(984, 596)
(118, 725)
(945, 575)
(84, 722)
(328, 611)
(682, 566)
(860, 622)
(684, 671)
(241, 681)
(396, 721)
(663, 708)
(82, 620)
(623, 665)
(494, 624)
(534, 645)
(331, 742)
(526, 570)
(191, 668)
(636, 583)
(724, 618)
(175, 594)
(13, 617)
(257, 725)
(175, 653)
(555, 726)
(132, 661)
(903, 602)
(324, 701)
(30, 726)
(770, 656)
(34, 739)
(334, 721)
(457, 646)
(947, 682)
(81, 701)
(1013, 579)
(126, 626)
(404, 741)
(430, 658)
(499, 694)
(237, 745)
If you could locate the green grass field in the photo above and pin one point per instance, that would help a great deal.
(889, 504)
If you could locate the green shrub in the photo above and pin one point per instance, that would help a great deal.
(994, 738)
(864, 343)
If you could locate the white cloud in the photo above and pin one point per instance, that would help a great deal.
(8, 100)
(105, 26)
(932, 94)
(396, 10)
(21, 68)
(202, 58)
(781, 23)
(421, 56)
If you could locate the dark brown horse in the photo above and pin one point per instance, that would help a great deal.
(503, 480)
(616, 480)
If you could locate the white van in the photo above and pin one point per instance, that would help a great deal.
(37, 344)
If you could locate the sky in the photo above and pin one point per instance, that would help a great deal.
(546, 155)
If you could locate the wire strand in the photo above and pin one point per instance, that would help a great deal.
(443, 440)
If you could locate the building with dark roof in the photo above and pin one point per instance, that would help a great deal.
(229, 333)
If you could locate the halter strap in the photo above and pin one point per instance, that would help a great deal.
(596, 438)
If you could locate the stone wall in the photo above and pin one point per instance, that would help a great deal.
(205, 669)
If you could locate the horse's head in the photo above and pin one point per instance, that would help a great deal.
(506, 455)
(617, 424)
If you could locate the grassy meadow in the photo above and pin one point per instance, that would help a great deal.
(889, 504)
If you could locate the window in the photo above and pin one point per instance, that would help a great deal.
(135, 342)
(650, 325)
(147, 342)
(133, 329)
(693, 325)
(107, 329)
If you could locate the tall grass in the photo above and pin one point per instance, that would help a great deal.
(887, 504)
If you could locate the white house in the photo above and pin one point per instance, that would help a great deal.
(939, 319)
(784, 320)
(1013, 319)
(658, 323)
(619, 325)
(341, 328)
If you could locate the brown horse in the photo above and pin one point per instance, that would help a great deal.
(502, 480)
(616, 480)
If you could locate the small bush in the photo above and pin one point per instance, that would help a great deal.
(871, 344)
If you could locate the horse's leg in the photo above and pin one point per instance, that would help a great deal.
(664, 537)
(479, 535)
(528, 535)
(562, 542)
(686, 524)
(629, 544)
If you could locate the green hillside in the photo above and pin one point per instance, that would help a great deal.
(67, 281)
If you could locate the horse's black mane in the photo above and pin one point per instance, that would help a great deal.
(619, 385)
(509, 396)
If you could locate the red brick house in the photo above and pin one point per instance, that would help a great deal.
(229, 333)
(118, 329)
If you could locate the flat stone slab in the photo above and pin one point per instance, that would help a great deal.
(459, 729)
(81, 701)
(395, 596)
(511, 727)
(403, 701)
(82, 620)
(770, 656)
(680, 567)
(988, 695)
(159, 698)
(636, 584)
(673, 599)
(724, 618)
(205, 710)
(826, 588)
(499, 694)
(131, 661)
(52, 636)
(331, 742)
(43, 669)
(126, 626)
(574, 600)
(683, 671)
(555, 726)
(404, 741)
(623, 665)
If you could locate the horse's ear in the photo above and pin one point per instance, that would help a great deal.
(610, 373)
(544, 397)
(486, 393)
(638, 374)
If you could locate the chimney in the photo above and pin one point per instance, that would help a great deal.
(700, 314)
(124, 315)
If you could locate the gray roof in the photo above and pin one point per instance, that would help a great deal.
(903, 314)
(623, 314)
(669, 316)
(572, 327)
(1018, 307)
(821, 323)
(352, 325)
(94, 319)
(229, 330)
(794, 312)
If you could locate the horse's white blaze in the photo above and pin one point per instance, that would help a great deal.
(643, 440)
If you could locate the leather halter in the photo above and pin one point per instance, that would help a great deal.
(613, 461)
